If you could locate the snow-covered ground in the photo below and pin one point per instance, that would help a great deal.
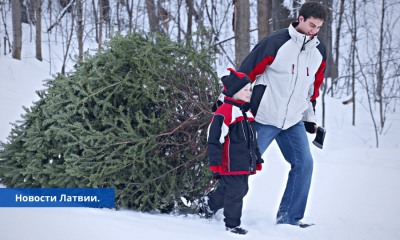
(354, 193)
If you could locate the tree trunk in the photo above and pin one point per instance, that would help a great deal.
(80, 28)
(326, 35)
(152, 14)
(38, 30)
(280, 15)
(118, 22)
(24, 12)
(7, 37)
(129, 9)
(189, 3)
(242, 30)
(101, 22)
(179, 20)
(275, 15)
(296, 7)
(31, 11)
(335, 69)
(263, 16)
(380, 71)
(17, 29)
(353, 53)
(68, 43)
(96, 22)
(106, 15)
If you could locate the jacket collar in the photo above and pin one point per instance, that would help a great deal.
(242, 105)
(300, 38)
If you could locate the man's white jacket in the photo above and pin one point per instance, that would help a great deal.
(288, 70)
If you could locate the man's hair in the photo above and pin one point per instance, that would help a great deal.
(313, 9)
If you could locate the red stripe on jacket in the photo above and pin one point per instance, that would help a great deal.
(260, 68)
(319, 78)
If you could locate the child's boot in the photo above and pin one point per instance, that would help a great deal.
(237, 230)
(205, 211)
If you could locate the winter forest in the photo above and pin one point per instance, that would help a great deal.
(362, 37)
(81, 108)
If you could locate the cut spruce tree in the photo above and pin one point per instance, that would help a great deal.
(133, 117)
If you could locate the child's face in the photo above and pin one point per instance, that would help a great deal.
(243, 94)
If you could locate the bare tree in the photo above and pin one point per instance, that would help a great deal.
(263, 17)
(68, 42)
(353, 53)
(153, 15)
(95, 20)
(80, 27)
(179, 20)
(163, 17)
(190, 14)
(17, 29)
(369, 99)
(280, 15)
(106, 15)
(39, 30)
(242, 30)
(326, 35)
(31, 11)
(118, 21)
(335, 69)
(129, 8)
(101, 22)
(7, 37)
(380, 71)
(24, 12)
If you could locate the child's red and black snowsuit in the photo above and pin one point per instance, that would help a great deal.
(234, 155)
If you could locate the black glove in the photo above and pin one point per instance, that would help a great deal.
(310, 127)
(319, 139)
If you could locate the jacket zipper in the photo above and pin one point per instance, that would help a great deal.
(243, 131)
(249, 129)
(303, 47)
(254, 139)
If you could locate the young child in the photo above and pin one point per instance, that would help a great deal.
(232, 151)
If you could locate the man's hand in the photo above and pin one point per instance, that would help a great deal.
(311, 127)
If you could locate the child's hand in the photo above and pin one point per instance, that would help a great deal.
(259, 167)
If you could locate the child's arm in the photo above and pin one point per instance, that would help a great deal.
(217, 131)
(259, 159)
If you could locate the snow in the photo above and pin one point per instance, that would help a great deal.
(354, 193)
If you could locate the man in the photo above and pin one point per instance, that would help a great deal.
(288, 69)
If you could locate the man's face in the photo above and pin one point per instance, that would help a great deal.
(243, 94)
(310, 27)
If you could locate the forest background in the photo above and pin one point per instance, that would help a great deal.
(361, 36)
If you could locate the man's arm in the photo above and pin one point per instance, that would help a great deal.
(263, 54)
(309, 117)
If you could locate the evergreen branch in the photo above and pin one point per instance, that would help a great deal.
(204, 152)
(183, 164)
(151, 137)
(100, 91)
